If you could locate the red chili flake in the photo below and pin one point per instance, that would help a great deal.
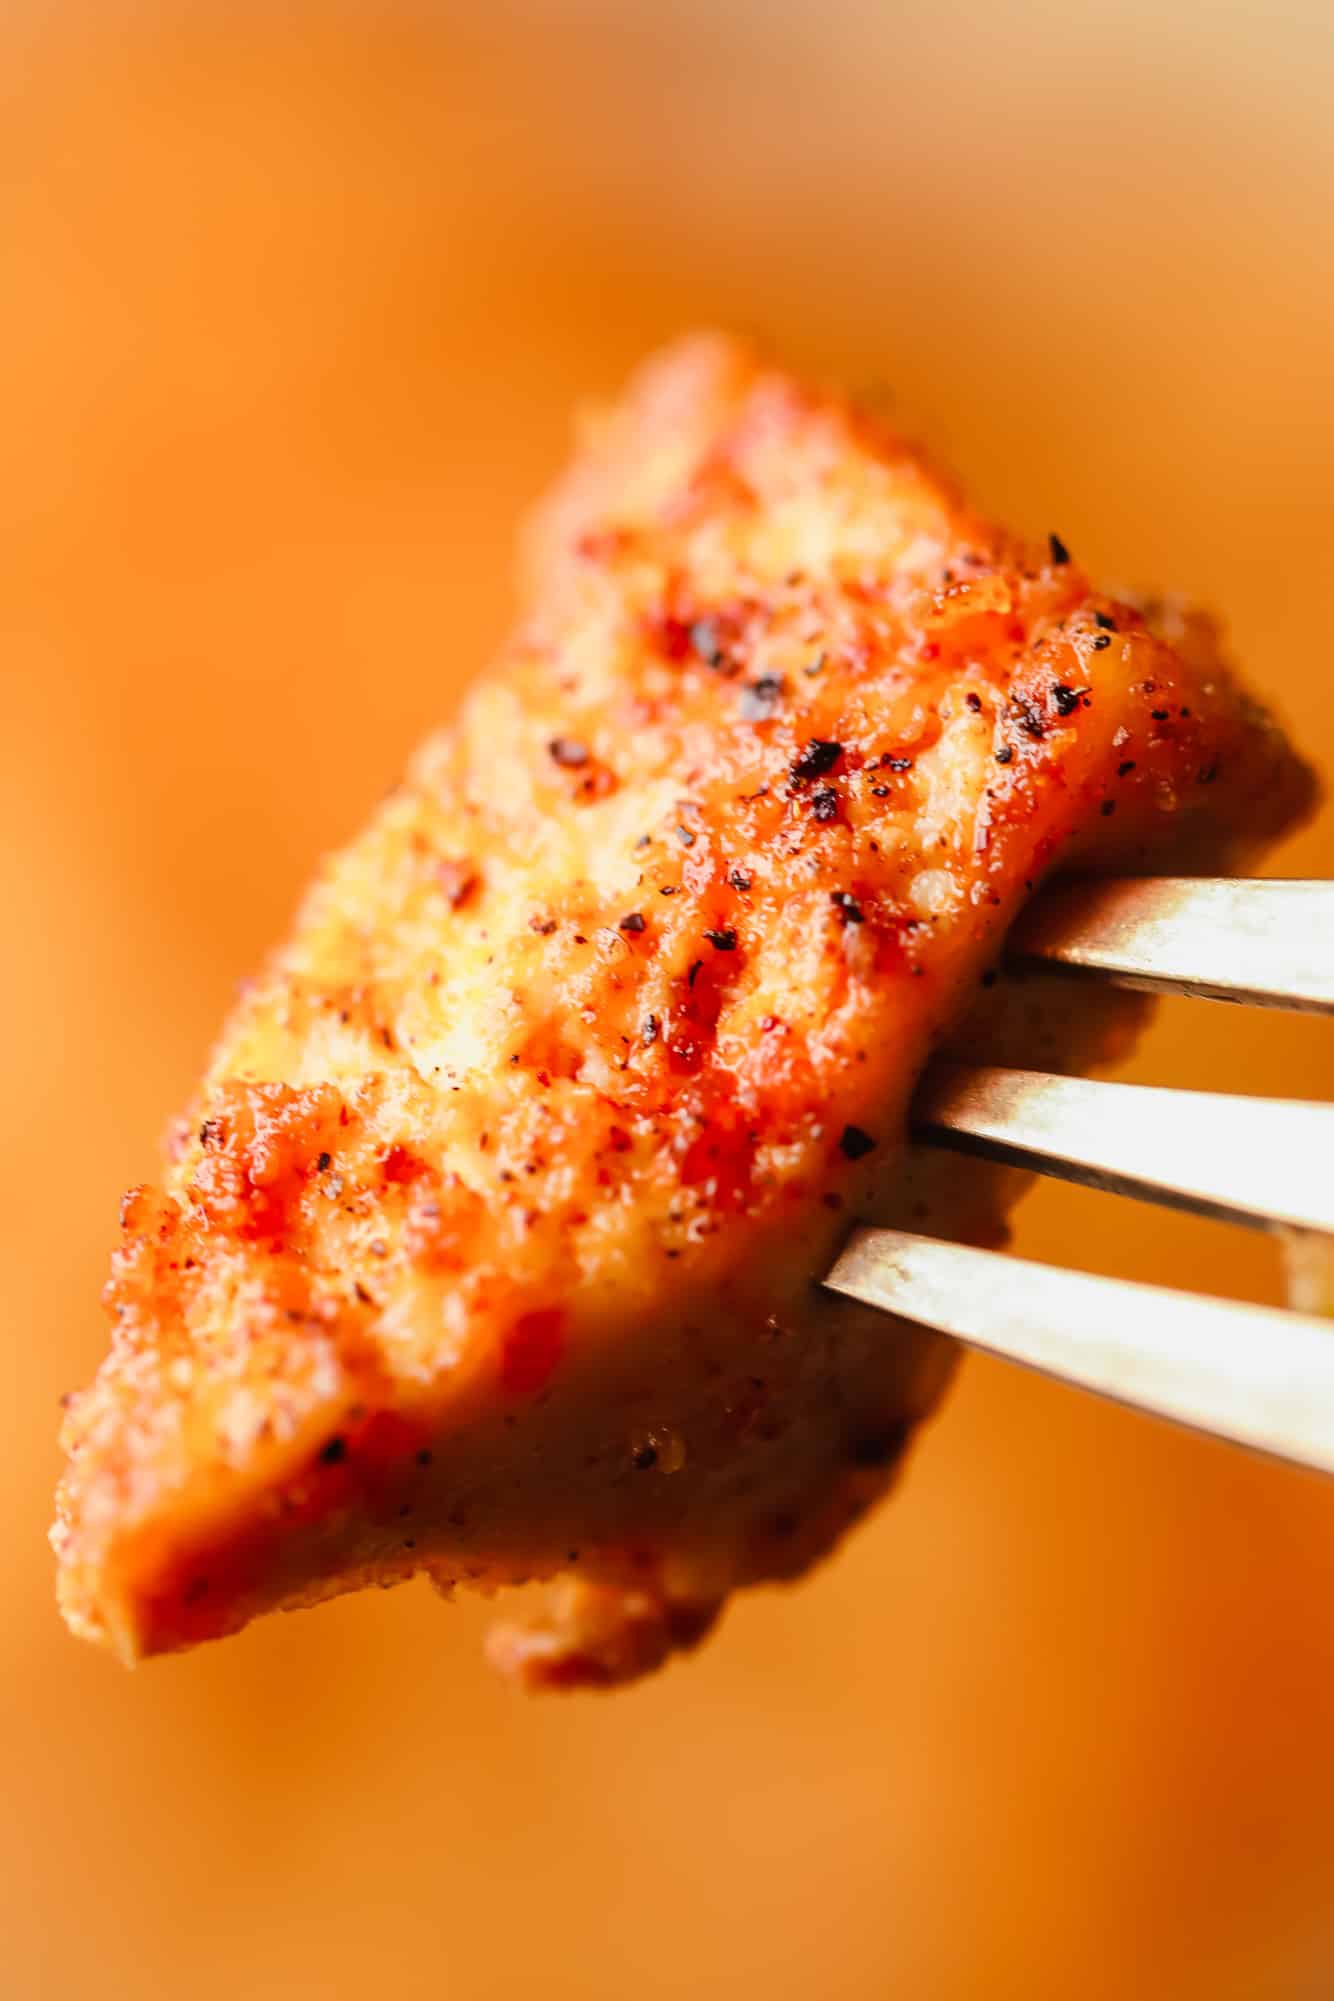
(401, 1164)
(634, 922)
(531, 1351)
(1059, 553)
(855, 1144)
(568, 750)
(722, 941)
(457, 881)
(819, 755)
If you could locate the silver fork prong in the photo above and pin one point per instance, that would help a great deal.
(1257, 1375)
(1266, 1161)
(1267, 943)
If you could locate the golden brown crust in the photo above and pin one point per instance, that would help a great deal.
(526, 1150)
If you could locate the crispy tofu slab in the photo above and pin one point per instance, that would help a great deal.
(490, 1247)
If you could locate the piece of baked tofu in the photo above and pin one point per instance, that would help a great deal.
(491, 1246)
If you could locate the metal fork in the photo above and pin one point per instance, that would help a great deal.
(1263, 1377)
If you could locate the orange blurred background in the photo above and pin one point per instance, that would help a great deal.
(297, 299)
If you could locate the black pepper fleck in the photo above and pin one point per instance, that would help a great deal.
(740, 878)
(1059, 553)
(722, 941)
(1106, 621)
(824, 803)
(568, 750)
(760, 699)
(632, 922)
(818, 756)
(1031, 716)
(334, 1451)
(1005, 753)
(855, 1144)
(847, 906)
(325, 1161)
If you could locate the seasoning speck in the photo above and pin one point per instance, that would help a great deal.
(818, 756)
(1005, 753)
(649, 1032)
(325, 1161)
(632, 922)
(855, 1144)
(760, 699)
(1059, 553)
(722, 941)
(334, 1451)
(685, 837)
(704, 641)
(1105, 620)
(824, 803)
(568, 750)
(847, 906)
(740, 878)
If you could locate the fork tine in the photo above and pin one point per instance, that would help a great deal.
(1267, 943)
(1266, 1161)
(1257, 1375)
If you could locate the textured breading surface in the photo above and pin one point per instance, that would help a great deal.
(489, 1246)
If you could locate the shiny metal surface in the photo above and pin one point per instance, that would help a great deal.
(1256, 1375)
(1267, 943)
(1253, 1160)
